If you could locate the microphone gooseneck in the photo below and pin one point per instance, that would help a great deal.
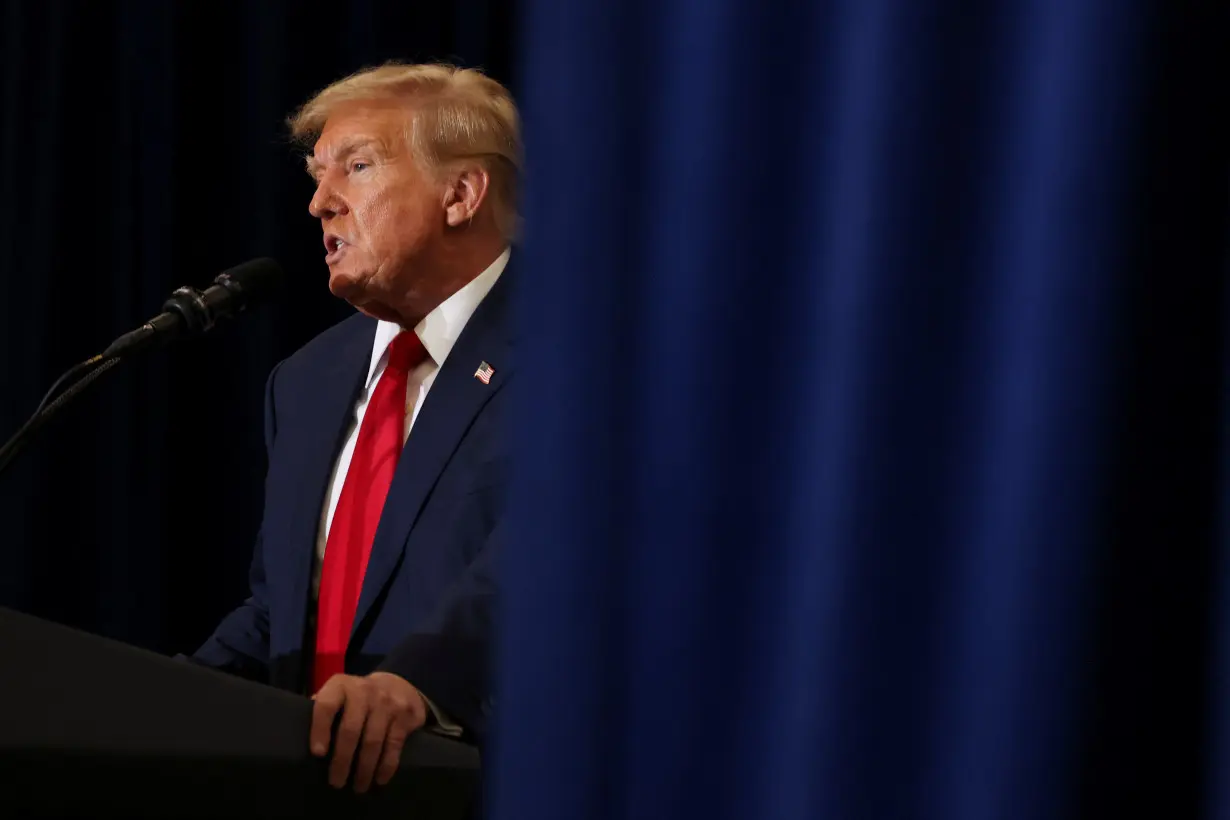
(188, 312)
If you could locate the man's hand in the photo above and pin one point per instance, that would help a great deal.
(380, 710)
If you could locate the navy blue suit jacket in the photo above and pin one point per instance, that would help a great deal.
(425, 611)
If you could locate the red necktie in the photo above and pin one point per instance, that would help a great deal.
(349, 543)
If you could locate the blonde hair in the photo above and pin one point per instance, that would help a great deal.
(459, 113)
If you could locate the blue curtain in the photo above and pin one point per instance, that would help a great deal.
(869, 440)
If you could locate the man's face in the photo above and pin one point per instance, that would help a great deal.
(381, 213)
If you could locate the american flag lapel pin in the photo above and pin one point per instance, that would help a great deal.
(484, 372)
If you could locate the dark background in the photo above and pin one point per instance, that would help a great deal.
(143, 146)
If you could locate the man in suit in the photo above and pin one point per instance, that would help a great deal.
(372, 579)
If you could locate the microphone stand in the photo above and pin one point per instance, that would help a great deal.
(85, 374)
(188, 312)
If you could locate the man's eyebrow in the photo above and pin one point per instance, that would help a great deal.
(345, 149)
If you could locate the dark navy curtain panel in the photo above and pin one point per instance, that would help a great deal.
(873, 397)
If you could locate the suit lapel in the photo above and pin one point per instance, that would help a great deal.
(327, 417)
(456, 397)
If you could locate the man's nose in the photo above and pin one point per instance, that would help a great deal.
(326, 202)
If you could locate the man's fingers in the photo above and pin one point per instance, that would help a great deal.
(378, 713)
(349, 732)
(325, 705)
(377, 726)
(393, 744)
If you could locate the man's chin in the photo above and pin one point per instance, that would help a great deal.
(377, 311)
(345, 286)
(353, 291)
(358, 298)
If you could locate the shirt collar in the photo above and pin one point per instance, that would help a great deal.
(439, 330)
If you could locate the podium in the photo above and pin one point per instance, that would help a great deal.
(91, 727)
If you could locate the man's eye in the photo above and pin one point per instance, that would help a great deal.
(358, 166)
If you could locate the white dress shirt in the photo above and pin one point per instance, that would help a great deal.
(438, 331)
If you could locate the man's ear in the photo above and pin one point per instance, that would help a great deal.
(466, 191)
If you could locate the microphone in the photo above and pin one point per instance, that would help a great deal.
(189, 312)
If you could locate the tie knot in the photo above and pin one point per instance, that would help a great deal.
(406, 351)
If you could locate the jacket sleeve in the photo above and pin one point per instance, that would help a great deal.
(240, 644)
(449, 658)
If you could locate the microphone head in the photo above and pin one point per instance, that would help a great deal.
(253, 280)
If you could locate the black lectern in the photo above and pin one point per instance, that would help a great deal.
(94, 727)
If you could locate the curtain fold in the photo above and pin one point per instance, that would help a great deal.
(841, 316)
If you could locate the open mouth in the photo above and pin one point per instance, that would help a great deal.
(335, 246)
